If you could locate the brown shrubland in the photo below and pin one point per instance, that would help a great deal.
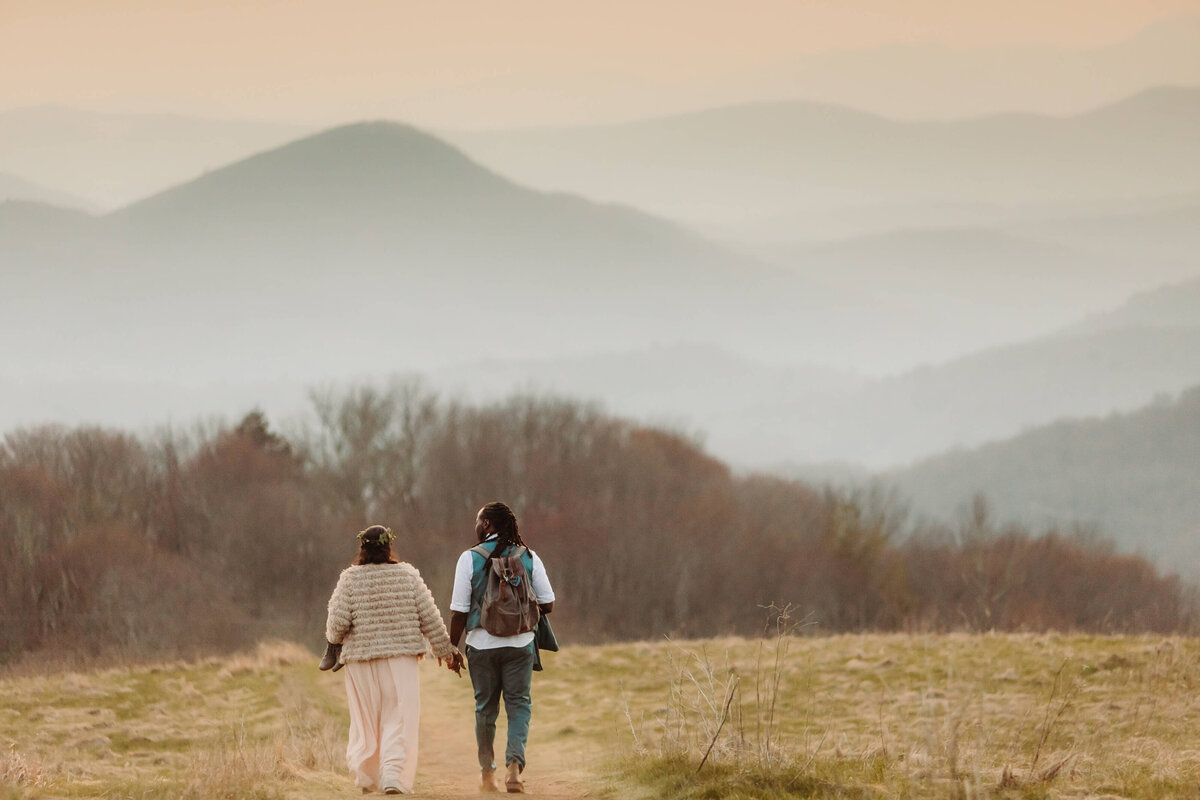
(208, 540)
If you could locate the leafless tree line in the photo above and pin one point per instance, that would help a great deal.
(212, 538)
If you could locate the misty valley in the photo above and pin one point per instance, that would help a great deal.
(960, 305)
(840, 362)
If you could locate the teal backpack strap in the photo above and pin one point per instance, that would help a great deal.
(478, 582)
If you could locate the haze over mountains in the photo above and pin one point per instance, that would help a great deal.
(13, 187)
(770, 166)
(756, 414)
(972, 288)
(797, 283)
(1175, 306)
(270, 246)
(110, 159)
(372, 247)
(929, 81)
(1160, 235)
(902, 298)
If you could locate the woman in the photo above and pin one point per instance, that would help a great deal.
(382, 614)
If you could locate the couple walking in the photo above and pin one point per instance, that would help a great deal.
(382, 614)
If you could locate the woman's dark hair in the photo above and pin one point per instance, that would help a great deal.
(373, 551)
(504, 523)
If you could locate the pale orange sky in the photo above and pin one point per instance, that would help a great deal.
(464, 62)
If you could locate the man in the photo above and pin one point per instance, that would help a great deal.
(500, 666)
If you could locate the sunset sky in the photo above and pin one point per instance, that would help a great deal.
(463, 62)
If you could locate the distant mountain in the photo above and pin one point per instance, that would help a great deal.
(35, 237)
(112, 159)
(990, 395)
(13, 188)
(929, 81)
(1155, 228)
(918, 81)
(1160, 236)
(818, 421)
(384, 202)
(968, 288)
(375, 246)
(825, 422)
(784, 160)
(1176, 306)
(1132, 475)
(33, 221)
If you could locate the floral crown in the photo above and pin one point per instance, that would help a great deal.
(384, 538)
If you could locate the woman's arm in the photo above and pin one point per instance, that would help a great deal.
(430, 619)
(340, 618)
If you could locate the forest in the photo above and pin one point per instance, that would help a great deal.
(207, 539)
(1132, 473)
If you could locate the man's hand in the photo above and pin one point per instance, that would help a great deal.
(453, 662)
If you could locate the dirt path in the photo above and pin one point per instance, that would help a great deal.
(447, 769)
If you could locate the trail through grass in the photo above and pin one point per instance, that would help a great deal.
(872, 716)
(263, 726)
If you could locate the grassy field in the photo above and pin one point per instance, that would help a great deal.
(865, 716)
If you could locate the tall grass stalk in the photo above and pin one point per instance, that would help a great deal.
(18, 770)
(240, 768)
(706, 713)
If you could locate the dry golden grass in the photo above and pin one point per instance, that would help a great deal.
(17, 771)
(242, 727)
(921, 716)
(881, 716)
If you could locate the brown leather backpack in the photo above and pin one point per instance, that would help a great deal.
(509, 606)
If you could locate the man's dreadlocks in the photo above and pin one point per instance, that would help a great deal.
(504, 524)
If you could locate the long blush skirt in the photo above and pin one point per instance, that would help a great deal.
(385, 711)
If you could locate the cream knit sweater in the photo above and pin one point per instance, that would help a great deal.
(384, 610)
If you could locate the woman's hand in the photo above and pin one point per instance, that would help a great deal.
(454, 662)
